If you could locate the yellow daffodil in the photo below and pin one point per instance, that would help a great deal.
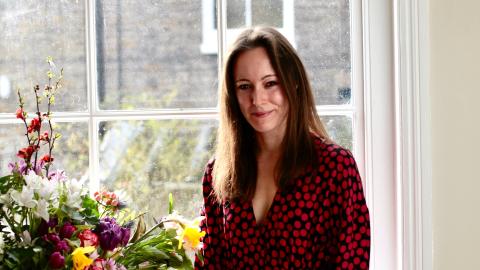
(80, 261)
(191, 235)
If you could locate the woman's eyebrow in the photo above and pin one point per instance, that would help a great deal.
(263, 78)
(268, 75)
(241, 80)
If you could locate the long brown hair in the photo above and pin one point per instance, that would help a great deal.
(235, 168)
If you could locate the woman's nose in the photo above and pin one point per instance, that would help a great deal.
(258, 95)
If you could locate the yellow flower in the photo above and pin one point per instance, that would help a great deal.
(191, 235)
(80, 261)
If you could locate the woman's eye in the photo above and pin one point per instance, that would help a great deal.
(271, 83)
(243, 86)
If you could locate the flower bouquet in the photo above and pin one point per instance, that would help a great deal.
(48, 221)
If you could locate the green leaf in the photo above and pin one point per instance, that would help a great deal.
(154, 253)
(8, 182)
(90, 207)
(5, 183)
(170, 203)
(140, 230)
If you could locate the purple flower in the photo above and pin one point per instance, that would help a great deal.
(44, 226)
(58, 175)
(52, 238)
(38, 167)
(62, 246)
(56, 260)
(111, 234)
(67, 230)
(126, 236)
(18, 167)
(12, 167)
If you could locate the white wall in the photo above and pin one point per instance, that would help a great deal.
(455, 104)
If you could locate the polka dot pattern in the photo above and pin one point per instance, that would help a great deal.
(321, 221)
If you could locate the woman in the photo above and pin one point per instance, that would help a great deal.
(279, 193)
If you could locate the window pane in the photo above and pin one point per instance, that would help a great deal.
(70, 152)
(339, 127)
(235, 13)
(148, 56)
(267, 12)
(322, 33)
(149, 159)
(31, 31)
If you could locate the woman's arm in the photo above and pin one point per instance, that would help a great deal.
(350, 222)
(212, 225)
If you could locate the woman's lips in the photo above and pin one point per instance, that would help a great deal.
(261, 114)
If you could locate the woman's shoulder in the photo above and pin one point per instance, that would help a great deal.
(327, 147)
(334, 157)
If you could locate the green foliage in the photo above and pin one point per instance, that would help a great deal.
(159, 249)
(90, 210)
(13, 181)
(20, 258)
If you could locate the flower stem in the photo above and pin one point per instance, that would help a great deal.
(36, 88)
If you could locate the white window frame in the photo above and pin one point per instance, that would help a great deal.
(413, 152)
(209, 32)
(379, 106)
(397, 133)
(390, 68)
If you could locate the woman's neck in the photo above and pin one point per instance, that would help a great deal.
(269, 145)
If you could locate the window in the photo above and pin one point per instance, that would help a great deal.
(245, 13)
(138, 110)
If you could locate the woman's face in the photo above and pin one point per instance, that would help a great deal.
(260, 96)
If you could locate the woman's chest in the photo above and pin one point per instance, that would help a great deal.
(294, 229)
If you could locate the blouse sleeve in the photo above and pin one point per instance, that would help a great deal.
(212, 251)
(350, 246)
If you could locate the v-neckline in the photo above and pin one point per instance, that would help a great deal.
(267, 217)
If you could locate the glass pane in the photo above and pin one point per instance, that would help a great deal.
(148, 56)
(70, 151)
(152, 158)
(322, 34)
(31, 31)
(339, 127)
(235, 13)
(267, 12)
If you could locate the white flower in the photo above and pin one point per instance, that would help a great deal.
(172, 221)
(74, 193)
(47, 189)
(24, 198)
(41, 186)
(2, 244)
(191, 235)
(27, 239)
(33, 180)
(75, 186)
(42, 209)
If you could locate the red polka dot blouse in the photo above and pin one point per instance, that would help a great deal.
(319, 222)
